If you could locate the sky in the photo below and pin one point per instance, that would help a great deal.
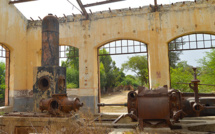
(59, 7)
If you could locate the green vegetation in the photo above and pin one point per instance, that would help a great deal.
(2, 113)
(183, 73)
(2, 82)
(138, 65)
(72, 70)
(112, 77)
(207, 71)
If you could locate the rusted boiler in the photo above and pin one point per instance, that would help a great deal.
(50, 79)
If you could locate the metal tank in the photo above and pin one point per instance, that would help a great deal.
(50, 41)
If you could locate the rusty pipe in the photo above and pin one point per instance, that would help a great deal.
(197, 107)
(50, 41)
(209, 107)
(51, 105)
(200, 94)
(60, 103)
(103, 104)
(68, 104)
(195, 89)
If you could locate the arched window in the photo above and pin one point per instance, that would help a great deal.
(4, 75)
(123, 66)
(69, 57)
(193, 50)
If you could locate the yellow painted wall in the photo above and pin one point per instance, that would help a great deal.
(155, 29)
(13, 31)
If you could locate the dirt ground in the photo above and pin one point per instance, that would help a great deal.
(114, 98)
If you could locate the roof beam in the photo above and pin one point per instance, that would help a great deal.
(83, 9)
(101, 3)
(156, 5)
(19, 1)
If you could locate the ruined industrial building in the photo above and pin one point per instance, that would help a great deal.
(38, 100)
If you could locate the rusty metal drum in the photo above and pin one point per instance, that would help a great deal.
(50, 41)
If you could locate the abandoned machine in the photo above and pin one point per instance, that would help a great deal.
(49, 89)
(164, 108)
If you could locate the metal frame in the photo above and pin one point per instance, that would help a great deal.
(5, 53)
(123, 46)
(192, 42)
(63, 52)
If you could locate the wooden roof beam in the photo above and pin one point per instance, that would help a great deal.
(83, 9)
(101, 3)
(20, 1)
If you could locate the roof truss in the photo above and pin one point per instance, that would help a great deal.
(19, 1)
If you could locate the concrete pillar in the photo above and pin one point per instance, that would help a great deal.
(158, 65)
(158, 55)
(88, 78)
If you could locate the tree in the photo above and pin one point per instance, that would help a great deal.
(73, 58)
(207, 71)
(103, 81)
(72, 77)
(110, 75)
(2, 80)
(130, 80)
(138, 65)
(106, 60)
(72, 65)
(181, 73)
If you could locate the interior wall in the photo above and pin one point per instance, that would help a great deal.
(13, 30)
(155, 29)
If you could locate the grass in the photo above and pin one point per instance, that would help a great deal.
(2, 113)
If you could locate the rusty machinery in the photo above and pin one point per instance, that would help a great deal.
(50, 79)
(162, 107)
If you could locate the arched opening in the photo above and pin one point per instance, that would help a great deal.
(4, 75)
(69, 57)
(192, 50)
(123, 66)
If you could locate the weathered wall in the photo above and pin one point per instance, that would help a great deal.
(155, 29)
(13, 31)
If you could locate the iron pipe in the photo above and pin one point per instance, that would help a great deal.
(103, 104)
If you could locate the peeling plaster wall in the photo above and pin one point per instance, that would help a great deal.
(155, 29)
(13, 31)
